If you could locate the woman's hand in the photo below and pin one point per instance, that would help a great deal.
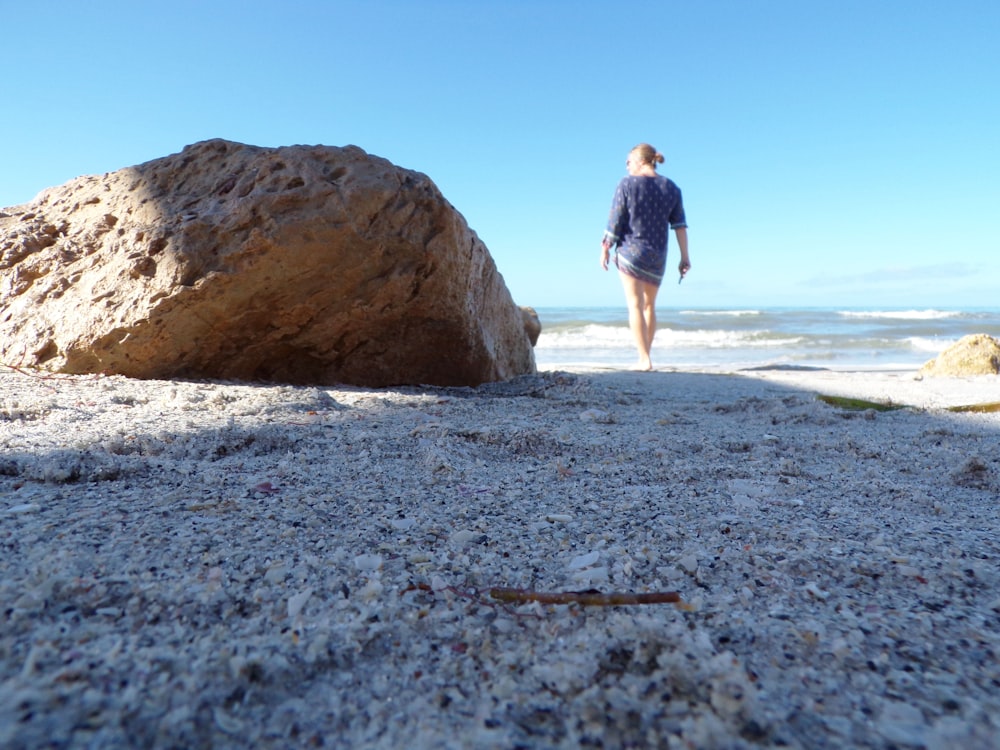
(605, 254)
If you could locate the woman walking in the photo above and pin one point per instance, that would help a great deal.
(645, 207)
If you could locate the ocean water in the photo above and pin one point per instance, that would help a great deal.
(835, 339)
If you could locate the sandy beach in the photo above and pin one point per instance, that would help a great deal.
(204, 564)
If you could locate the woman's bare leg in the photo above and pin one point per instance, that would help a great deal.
(640, 297)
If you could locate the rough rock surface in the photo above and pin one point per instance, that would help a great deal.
(305, 265)
(978, 354)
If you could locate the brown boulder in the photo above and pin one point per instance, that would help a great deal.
(978, 354)
(300, 265)
(532, 325)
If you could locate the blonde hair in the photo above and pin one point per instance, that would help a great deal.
(646, 154)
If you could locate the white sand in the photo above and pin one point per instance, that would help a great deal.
(194, 564)
(899, 387)
(888, 386)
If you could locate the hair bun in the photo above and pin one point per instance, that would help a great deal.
(658, 158)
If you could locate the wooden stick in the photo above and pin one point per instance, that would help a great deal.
(584, 598)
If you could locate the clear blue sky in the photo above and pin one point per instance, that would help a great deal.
(831, 153)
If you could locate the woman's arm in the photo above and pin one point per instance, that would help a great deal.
(682, 242)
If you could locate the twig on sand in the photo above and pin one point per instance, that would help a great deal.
(988, 408)
(586, 598)
(859, 404)
(506, 597)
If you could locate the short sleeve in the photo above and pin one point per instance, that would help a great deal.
(677, 218)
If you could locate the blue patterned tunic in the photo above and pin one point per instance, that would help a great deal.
(643, 212)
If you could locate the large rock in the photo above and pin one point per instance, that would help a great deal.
(977, 354)
(299, 265)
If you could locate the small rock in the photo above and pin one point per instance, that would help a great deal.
(276, 573)
(591, 575)
(584, 561)
(22, 508)
(688, 563)
(368, 563)
(598, 416)
(297, 602)
(816, 592)
(902, 724)
(467, 536)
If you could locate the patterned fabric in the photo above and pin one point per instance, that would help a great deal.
(643, 212)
